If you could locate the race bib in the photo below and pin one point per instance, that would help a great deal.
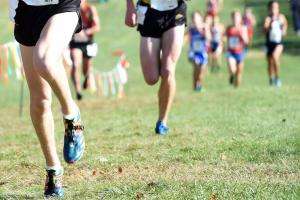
(41, 2)
(92, 50)
(276, 32)
(198, 46)
(164, 5)
(141, 14)
(233, 42)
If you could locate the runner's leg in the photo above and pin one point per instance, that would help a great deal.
(40, 108)
(47, 57)
(239, 73)
(150, 59)
(172, 42)
(276, 58)
(76, 69)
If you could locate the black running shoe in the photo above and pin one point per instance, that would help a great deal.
(53, 184)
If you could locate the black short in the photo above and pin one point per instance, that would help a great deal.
(82, 46)
(30, 20)
(271, 46)
(157, 22)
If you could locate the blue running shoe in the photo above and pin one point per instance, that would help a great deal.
(198, 88)
(53, 184)
(74, 140)
(161, 128)
(278, 82)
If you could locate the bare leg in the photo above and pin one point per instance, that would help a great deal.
(276, 57)
(40, 108)
(150, 59)
(88, 73)
(199, 72)
(232, 68)
(75, 72)
(239, 72)
(47, 56)
(270, 66)
(172, 42)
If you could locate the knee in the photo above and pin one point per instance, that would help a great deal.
(40, 104)
(44, 61)
(151, 80)
(168, 74)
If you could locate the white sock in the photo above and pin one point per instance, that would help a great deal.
(56, 168)
(74, 115)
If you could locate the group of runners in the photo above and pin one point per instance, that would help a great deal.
(44, 29)
(207, 37)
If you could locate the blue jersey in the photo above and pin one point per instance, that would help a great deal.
(198, 41)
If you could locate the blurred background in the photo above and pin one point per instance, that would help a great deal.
(225, 143)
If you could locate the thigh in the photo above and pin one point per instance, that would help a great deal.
(231, 64)
(38, 87)
(150, 56)
(172, 42)
(53, 41)
(277, 51)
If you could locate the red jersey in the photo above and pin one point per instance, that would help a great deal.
(212, 7)
(87, 17)
(235, 41)
(249, 24)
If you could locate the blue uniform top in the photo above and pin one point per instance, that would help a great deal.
(198, 41)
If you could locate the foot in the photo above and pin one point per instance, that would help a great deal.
(53, 184)
(272, 81)
(78, 96)
(198, 88)
(278, 82)
(231, 79)
(161, 128)
(74, 140)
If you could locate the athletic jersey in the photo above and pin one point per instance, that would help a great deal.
(275, 33)
(212, 7)
(235, 41)
(162, 5)
(198, 40)
(247, 21)
(87, 22)
(216, 35)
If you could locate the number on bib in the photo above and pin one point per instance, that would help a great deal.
(141, 14)
(233, 42)
(198, 46)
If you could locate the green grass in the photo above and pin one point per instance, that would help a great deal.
(224, 144)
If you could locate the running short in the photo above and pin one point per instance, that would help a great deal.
(153, 23)
(238, 57)
(271, 46)
(198, 58)
(214, 46)
(30, 20)
(88, 49)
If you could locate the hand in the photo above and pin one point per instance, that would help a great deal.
(131, 17)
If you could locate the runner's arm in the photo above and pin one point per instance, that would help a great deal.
(130, 18)
(267, 24)
(244, 35)
(96, 25)
(285, 25)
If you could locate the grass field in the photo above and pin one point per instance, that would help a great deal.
(224, 143)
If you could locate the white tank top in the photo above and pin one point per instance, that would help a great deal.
(275, 34)
(13, 4)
